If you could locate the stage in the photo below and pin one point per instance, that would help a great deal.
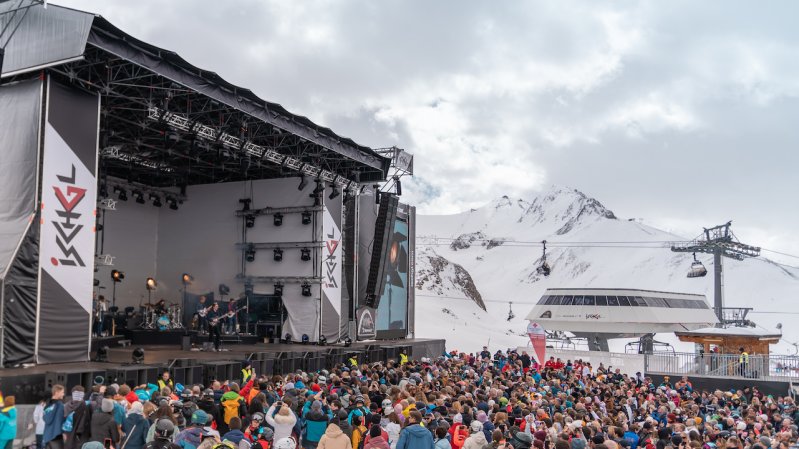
(196, 366)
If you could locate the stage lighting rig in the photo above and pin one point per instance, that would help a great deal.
(322, 340)
(138, 356)
(249, 220)
(277, 254)
(139, 196)
(245, 204)
(155, 199)
(101, 355)
(186, 278)
(151, 284)
(303, 183)
(117, 275)
(122, 194)
(305, 339)
(305, 254)
(347, 342)
(334, 192)
(172, 202)
(278, 289)
(306, 289)
(306, 218)
(278, 219)
(249, 253)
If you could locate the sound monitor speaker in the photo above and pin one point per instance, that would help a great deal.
(384, 226)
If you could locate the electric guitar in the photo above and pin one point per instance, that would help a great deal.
(203, 312)
(227, 315)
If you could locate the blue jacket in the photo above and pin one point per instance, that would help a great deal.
(53, 420)
(315, 424)
(234, 436)
(415, 437)
(8, 423)
(135, 428)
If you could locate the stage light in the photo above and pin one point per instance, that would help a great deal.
(122, 194)
(173, 203)
(303, 183)
(249, 254)
(277, 254)
(138, 356)
(287, 338)
(334, 192)
(306, 289)
(278, 219)
(305, 254)
(223, 289)
(117, 275)
(96, 283)
(278, 289)
(305, 339)
(155, 199)
(306, 218)
(348, 342)
(139, 196)
(398, 185)
(245, 204)
(187, 278)
(319, 189)
(151, 284)
(322, 340)
(249, 220)
(101, 355)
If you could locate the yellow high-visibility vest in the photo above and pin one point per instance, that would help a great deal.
(744, 357)
(403, 359)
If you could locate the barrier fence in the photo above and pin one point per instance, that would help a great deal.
(728, 365)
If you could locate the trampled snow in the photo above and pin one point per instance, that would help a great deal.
(492, 259)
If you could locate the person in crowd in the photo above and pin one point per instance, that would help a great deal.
(52, 438)
(280, 417)
(441, 441)
(477, 439)
(163, 412)
(103, 427)
(334, 438)
(165, 381)
(38, 422)
(191, 437)
(315, 422)
(376, 440)
(8, 421)
(414, 436)
(77, 419)
(164, 431)
(358, 431)
(135, 427)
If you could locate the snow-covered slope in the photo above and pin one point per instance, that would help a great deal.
(483, 257)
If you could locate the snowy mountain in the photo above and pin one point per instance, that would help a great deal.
(471, 265)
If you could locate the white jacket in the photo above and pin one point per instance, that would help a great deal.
(476, 440)
(283, 425)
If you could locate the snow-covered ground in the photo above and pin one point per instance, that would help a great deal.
(491, 264)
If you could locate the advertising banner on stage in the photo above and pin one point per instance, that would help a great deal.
(538, 337)
(332, 262)
(67, 233)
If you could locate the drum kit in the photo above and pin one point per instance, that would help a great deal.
(160, 318)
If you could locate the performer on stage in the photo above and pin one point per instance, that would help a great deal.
(215, 325)
(100, 309)
(231, 321)
(160, 307)
(200, 311)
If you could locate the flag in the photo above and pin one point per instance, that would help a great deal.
(539, 340)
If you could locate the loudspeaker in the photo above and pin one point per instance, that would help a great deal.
(384, 227)
(185, 343)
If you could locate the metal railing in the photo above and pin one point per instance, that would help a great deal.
(728, 365)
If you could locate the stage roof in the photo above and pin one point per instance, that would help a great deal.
(136, 78)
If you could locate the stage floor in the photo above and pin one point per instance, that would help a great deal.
(164, 355)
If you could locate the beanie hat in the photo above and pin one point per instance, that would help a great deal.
(199, 417)
(137, 408)
(482, 417)
(107, 406)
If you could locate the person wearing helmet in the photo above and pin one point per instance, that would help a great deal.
(265, 439)
(164, 431)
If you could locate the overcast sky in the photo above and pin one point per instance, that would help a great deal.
(685, 114)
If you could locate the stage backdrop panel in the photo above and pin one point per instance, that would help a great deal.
(332, 282)
(66, 245)
(20, 108)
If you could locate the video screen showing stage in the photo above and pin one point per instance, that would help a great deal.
(392, 310)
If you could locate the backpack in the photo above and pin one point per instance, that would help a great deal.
(67, 427)
(361, 433)
(231, 409)
(459, 436)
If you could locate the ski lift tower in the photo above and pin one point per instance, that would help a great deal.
(721, 242)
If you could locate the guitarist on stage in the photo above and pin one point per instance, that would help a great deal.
(232, 316)
(215, 318)
(201, 311)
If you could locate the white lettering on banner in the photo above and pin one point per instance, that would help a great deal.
(331, 262)
(68, 219)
